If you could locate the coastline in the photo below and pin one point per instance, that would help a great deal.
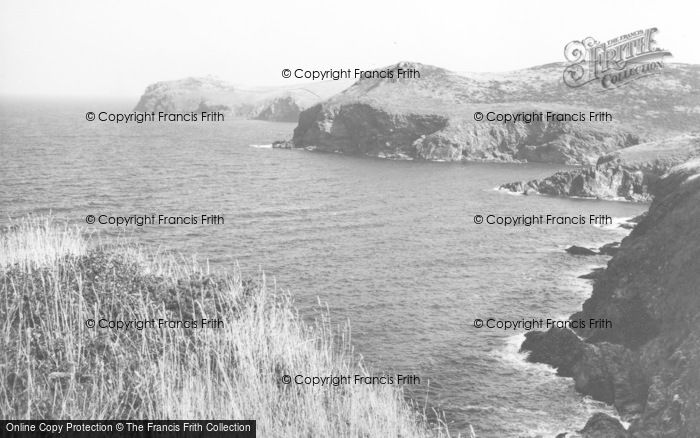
(646, 286)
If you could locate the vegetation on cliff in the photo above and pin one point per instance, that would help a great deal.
(53, 366)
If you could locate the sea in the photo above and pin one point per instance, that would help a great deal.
(389, 248)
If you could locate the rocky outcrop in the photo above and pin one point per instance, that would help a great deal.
(364, 129)
(647, 363)
(609, 249)
(628, 174)
(282, 144)
(434, 117)
(614, 183)
(281, 104)
(186, 95)
(601, 425)
(607, 372)
(281, 109)
(595, 274)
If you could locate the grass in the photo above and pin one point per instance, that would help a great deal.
(54, 278)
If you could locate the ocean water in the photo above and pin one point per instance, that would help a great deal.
(389, 246)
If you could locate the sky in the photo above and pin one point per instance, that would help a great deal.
(117, 48)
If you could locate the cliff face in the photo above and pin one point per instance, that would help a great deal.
(629, 174)
(648, 363)
(432, 117)
(366, 129)
(281, 104)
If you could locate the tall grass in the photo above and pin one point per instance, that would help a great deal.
(53, 280)
(38, 240)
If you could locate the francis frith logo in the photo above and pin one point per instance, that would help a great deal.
(615, 62)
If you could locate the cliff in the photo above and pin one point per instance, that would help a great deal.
(630, 174)
(432, 117)
(648, 363)
(281, 104)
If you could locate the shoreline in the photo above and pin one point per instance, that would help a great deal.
(645, 288)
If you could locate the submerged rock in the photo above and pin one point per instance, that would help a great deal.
(580, 251)
(283, 144)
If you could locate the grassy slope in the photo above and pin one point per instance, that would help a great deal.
(657, 155)
(655, 105)
(52, 367)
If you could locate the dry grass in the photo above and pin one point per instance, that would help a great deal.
(54, 367)
(38, 240)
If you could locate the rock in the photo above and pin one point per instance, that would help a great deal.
(646, 363)
(559, 348)
(609, 249)
(637, 219)
(280, 109)
(604, 371)
(628, 174)
(433, 118)
(281, 104)
(517, 187)
(602, 425)
(594, 274)
(580, 251)
(283, 144)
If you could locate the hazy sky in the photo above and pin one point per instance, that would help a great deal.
(109, 48)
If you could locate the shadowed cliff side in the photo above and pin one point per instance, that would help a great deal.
(648, 363)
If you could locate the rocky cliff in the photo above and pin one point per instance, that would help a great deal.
(628, 174)
(433, 117)
(648, 363)
(282, 104)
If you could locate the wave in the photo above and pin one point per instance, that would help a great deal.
(618, 224)
(511, 354)
(510, 192)
(261, 146)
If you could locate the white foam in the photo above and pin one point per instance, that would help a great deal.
(616, 224)
(509, 192)
(511, 355)
(261, 146)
